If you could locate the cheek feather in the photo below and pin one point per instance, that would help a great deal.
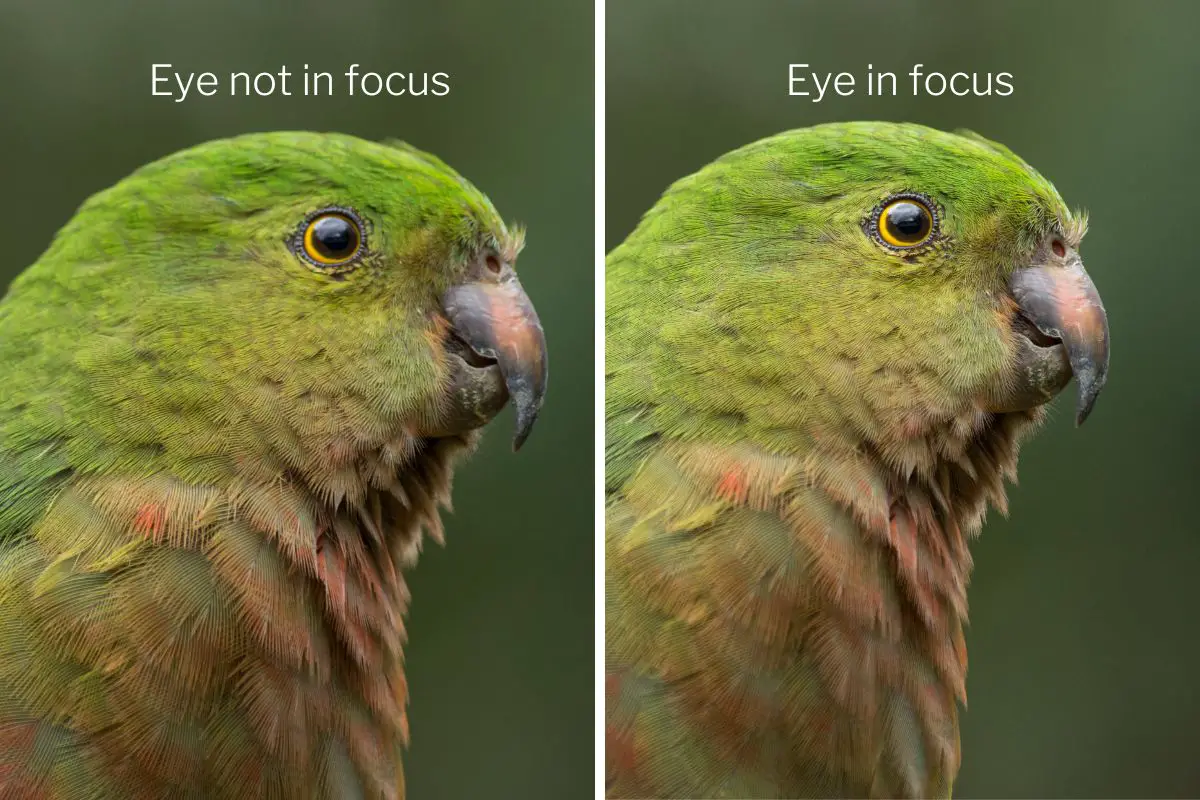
(435, 337)
(1004, 319)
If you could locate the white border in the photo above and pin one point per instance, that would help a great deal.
(598, 536)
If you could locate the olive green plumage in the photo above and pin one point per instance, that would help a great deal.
(214, 461)
(804, 427)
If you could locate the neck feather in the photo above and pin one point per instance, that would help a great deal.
(246, 634)
(825, 594)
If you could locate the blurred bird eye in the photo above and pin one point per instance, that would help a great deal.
(906, 221)
(331, 239)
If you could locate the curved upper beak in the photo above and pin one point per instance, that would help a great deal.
(1061, 301)
(492, 314)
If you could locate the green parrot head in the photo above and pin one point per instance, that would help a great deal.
(880, 281)
(308, 287)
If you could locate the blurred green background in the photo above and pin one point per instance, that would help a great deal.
(1085, 658)
(500, 660)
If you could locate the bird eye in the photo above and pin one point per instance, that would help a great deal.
(906, 221)
(331, 239)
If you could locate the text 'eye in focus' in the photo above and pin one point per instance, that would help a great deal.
(332, 239)
(905, 221)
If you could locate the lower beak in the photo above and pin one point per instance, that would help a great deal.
(1061, 301)
(494, 317)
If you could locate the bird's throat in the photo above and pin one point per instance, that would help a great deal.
(818, 603)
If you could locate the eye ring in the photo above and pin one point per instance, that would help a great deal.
(332, 240)
(905, 221)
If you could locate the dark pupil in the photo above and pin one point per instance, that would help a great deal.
(908, 221)
(334, 237)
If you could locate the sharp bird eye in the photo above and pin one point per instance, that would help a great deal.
(905, 221)
(331, 240)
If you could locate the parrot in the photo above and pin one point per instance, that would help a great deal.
(234, 389)
(823, 351)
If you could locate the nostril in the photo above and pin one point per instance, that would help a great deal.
(1058, 248)
(493, 265)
